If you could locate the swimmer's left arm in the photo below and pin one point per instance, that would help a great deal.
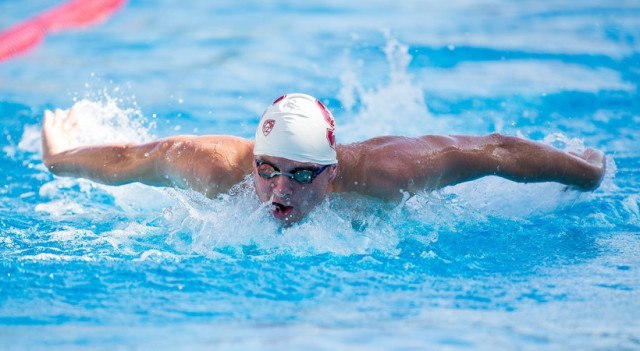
(387, 166)
(111, 164)
(207, 164)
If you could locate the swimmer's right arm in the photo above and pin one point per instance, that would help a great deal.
(207, 164)
(386, 167)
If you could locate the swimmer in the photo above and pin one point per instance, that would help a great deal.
(295, 161)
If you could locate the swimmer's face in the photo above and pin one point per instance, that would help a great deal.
(291, 200)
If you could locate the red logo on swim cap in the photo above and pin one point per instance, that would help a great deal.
(279, 99)
(332, 138)
(267, 127)
(326, 114)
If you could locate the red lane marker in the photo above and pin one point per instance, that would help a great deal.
(72, 14)
(21, 38)
(80, 13)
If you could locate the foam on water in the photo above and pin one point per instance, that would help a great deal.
(230, 224)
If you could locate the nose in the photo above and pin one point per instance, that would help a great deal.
(282, 186)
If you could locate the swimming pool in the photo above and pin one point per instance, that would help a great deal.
(483, 265)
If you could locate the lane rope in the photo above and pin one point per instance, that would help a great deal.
(72, 14)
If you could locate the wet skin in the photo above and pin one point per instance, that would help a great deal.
(292, 200)
(384, 167)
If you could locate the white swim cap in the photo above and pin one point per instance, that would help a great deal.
(297, 127)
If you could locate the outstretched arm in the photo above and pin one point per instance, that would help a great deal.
(386, 165)
(208, 164)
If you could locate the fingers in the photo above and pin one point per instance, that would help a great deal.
(58, 117)
(48, 119)
(591, 155)
(594, 156)
(71, 120)
(46, 127)
(59, 131)
(47, 123)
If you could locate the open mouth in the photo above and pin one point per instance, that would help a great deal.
(281, 211)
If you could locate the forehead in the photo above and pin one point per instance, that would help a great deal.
(284, 163)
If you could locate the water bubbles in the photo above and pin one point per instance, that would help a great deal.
(563, 142)
(428, 254)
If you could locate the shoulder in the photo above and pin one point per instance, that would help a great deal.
(383, 166)
(380, 152)
(376, 166)
(205, 142)
(205, 147)
(220, 159)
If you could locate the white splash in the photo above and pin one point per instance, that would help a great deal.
(30, 141)
(106, 122)
(225, 226)
(398, 107)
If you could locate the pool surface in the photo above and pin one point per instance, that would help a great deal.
(484, 265)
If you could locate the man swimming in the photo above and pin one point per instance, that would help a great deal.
(295, 160)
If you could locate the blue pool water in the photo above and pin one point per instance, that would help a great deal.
(484, 265)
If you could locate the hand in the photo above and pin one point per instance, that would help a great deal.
(598, 162)
(58, 133)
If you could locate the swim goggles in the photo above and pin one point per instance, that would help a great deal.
(300, 175)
